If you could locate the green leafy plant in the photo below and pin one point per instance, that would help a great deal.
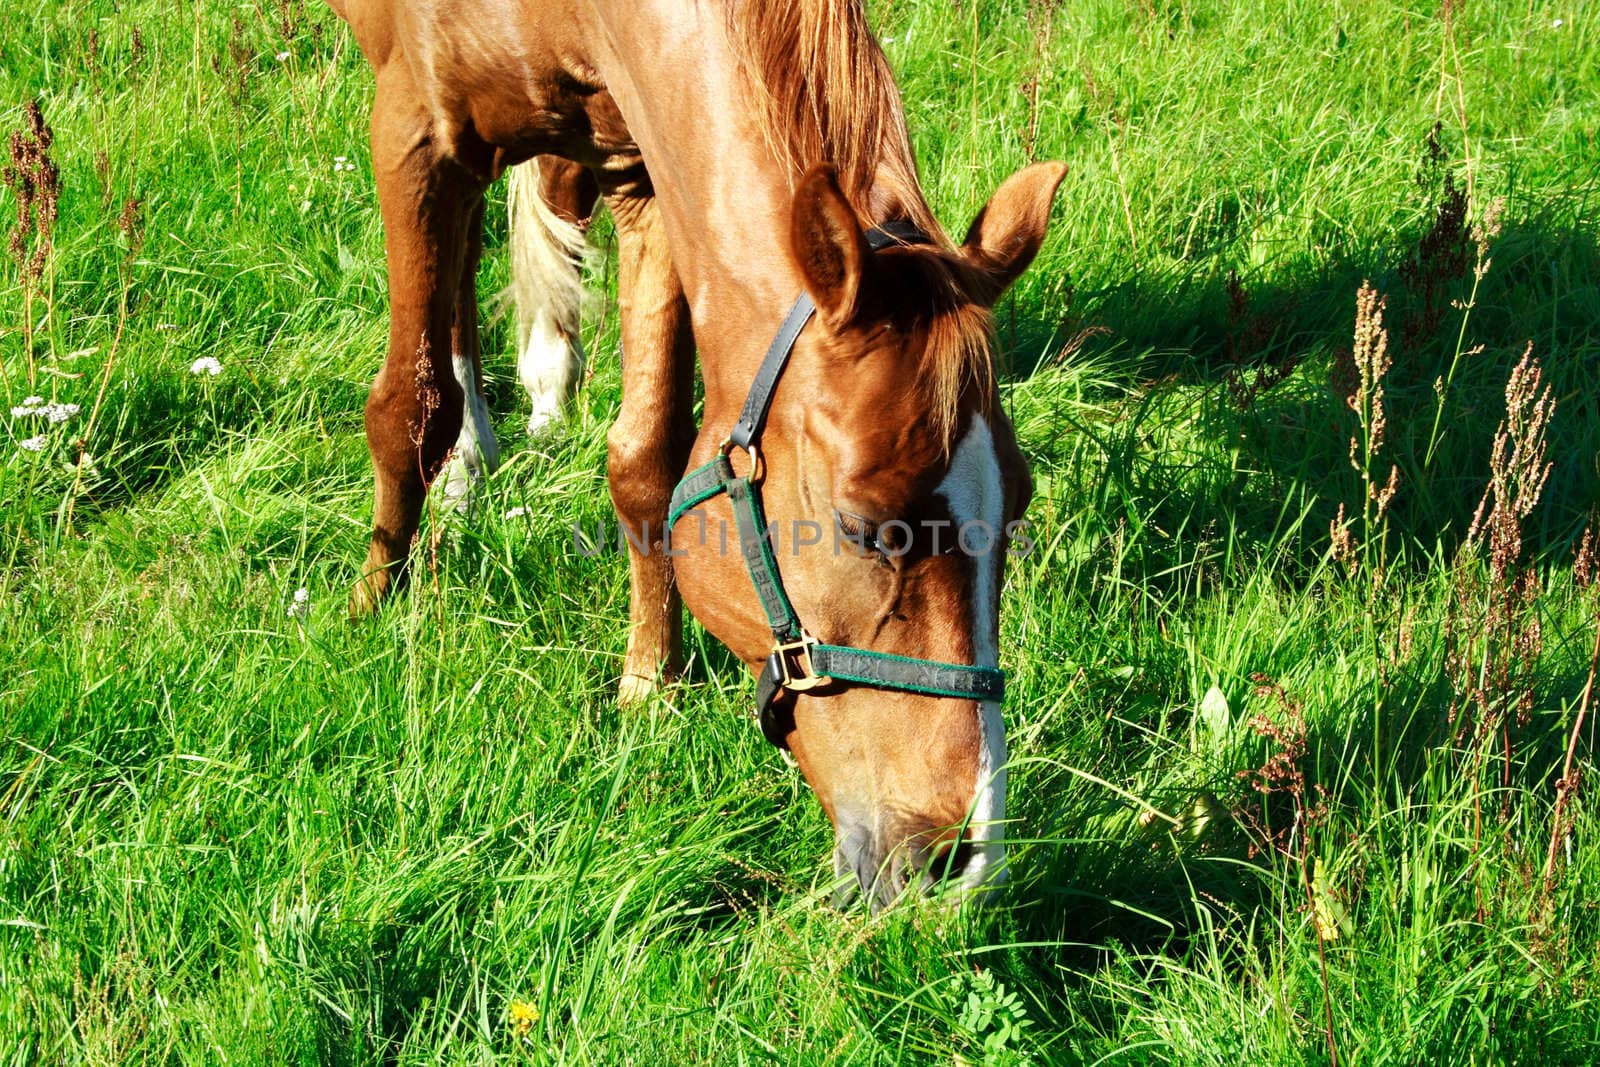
(993, 1017)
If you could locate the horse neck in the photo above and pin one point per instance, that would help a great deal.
(724, 195)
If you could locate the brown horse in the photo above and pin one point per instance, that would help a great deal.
(744, 150)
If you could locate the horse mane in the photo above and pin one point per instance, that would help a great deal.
(828, 96)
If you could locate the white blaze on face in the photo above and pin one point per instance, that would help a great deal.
(976, 497)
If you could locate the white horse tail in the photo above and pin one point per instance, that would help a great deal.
(547, 292)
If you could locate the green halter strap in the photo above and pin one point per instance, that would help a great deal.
(799, 661)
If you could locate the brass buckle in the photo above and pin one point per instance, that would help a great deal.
(798, 653)
(754, 451)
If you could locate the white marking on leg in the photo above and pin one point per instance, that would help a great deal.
(550, 365)
(975, 494)
(476, 452)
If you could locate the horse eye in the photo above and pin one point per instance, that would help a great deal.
(892, 538)
(889, 539)
(861, 532)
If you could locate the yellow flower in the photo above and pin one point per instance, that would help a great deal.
(523, 1015)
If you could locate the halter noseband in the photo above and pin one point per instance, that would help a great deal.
(799, 661)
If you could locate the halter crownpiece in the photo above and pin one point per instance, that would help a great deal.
(798, 661)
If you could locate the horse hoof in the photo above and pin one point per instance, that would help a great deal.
(367, 595)
(635, 689)
(458, 486)
(544, 421)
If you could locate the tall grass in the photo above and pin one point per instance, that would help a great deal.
(1302, 753)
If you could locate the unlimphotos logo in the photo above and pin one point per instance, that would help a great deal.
(893, 539)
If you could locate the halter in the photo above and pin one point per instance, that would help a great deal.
(798, 661)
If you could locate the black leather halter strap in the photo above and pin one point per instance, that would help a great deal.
(753, 417)
(799, 661)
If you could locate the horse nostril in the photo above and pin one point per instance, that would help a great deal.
(878, 867)
(947, 861)
(886, 883)
(857, 859)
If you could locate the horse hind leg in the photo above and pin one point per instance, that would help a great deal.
(476, 452)
(414, 410)
(550, 202)
(548, 243)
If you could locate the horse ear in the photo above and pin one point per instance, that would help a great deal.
(828, 245)
(1007, 233)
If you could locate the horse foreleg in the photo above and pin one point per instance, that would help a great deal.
(649, 443)
(414, 410)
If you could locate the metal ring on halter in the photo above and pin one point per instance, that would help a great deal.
(757, 464)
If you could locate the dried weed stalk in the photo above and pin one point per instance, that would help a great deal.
(35, 185)
(1492, 633)
(1483, 233)
(1584, 572)
(1358, 375)
(1283, 775)
(1250, 334)
(1571, 778)
(1442, 254)
(1041, 20)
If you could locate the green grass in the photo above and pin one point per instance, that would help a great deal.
(231, 835)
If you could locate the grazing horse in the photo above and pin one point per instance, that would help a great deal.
(747, 152)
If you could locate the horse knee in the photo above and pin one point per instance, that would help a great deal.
(413, 423)
(637, 470)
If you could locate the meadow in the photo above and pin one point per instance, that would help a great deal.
(1300, 668)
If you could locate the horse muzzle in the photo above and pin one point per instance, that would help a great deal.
(878, 860)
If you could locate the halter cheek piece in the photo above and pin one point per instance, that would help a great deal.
(798, 661)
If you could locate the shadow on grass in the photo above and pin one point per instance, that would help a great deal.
(1101, 886)
(1248, 421)
(1098, 887)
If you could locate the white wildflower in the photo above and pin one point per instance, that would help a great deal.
(516, 513)
(300, 605)
(51, 410)
(1556, 25)
(283, 57)
(205, 365)
(33, 444)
